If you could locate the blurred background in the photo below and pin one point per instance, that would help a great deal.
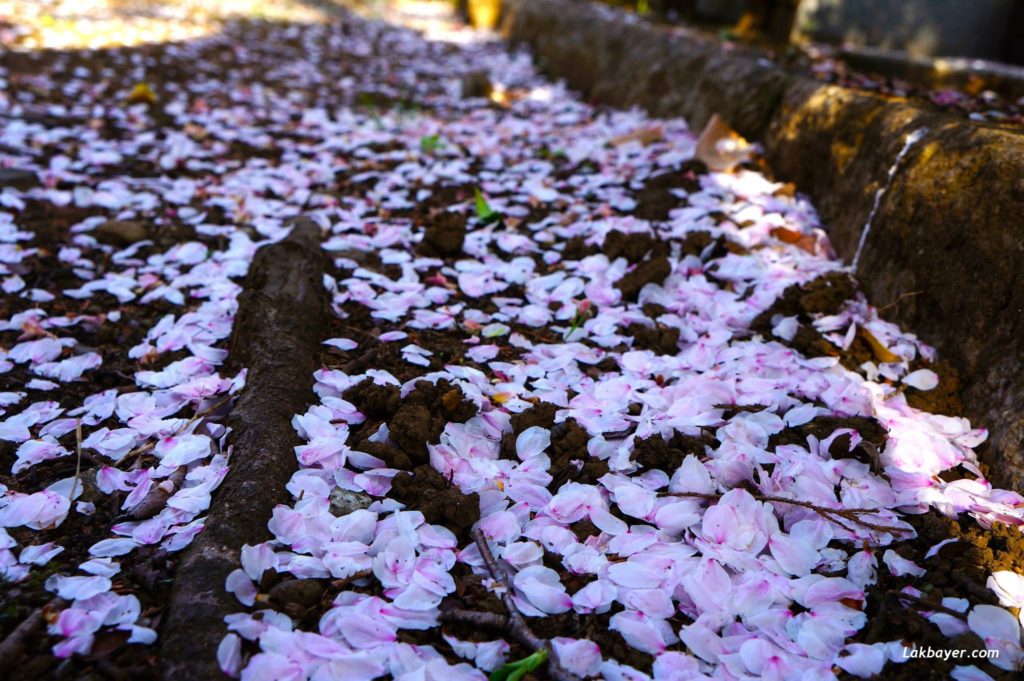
(978, 29)
(964, 54)
(986, 29)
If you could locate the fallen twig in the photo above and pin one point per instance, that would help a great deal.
(360, 363)
(475, 618)
(354, 577)
(927, 605)
(897, 299)
(157, 496)
(143, 448)
(78, 459)
(515, 623)
(839, 516)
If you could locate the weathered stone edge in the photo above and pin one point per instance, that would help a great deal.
(948, 241)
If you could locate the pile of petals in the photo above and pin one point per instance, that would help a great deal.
(763, 588)
(155, 438)
(112, 394)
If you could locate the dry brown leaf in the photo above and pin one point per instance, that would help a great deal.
(720, 147)
(787, 190)
(644, 136)
(975, 84)
(801, 240)
(142, 93)
(882, 353)
(505, 98)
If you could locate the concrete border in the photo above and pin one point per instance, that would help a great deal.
(950, 229)
(937, 72)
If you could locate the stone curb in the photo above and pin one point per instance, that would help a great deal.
(950, 230)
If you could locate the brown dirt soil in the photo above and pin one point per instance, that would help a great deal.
(958, 570)
(633, 247)
(667, 455)
(443, 235)
(423, 414)
(375, 401)
(823, 295)
(425, 490)
(651, 271)
(655, 200)
(577, 248)
(663, 340)
(942, 399)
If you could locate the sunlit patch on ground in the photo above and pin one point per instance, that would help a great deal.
(67, 24)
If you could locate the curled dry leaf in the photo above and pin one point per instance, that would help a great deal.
(720, 147)
(882, 353)
(801, 240)
(646, 135)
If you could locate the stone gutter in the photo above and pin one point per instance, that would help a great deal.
(946, 249)
(937, 72)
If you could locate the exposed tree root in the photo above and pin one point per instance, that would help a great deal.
(283, 317)
(12, 647)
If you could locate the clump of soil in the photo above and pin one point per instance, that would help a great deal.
(960, 570)
(651, 271)
(667, 455)
(823, 295)
(696, 242)
(375, 401)
(570, 459)
(873, 437)
(943, 398)
(574, 464)
(656, 200)
(663, 340)
(423, 414)
(476, 84)
(444, 235)
(632, 246)
(441, 503)
(541, 415)
(391, 456)
(413, 423)
(577, 248)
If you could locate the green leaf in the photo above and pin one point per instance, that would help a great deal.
(483, 209)
(430, 144)
(514, 671)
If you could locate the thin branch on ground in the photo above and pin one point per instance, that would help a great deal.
(897, 299)
(78, 459)
(342, 582)
(142, 449)
(839, 516)
(928, 605)
(515, 623)
(157, 496)
(475, 618)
